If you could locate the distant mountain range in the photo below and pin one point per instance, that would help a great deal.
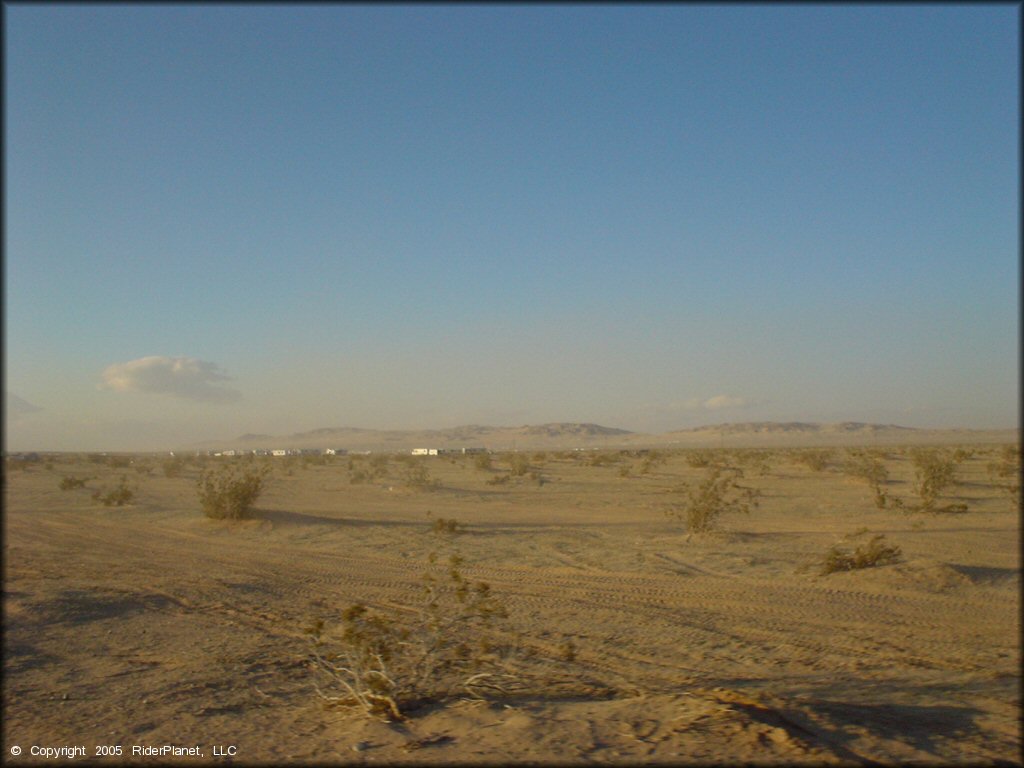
(789, 427)
(565, 435)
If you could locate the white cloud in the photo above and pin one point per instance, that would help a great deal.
(724, 401)
(179, 376)
(715, 403)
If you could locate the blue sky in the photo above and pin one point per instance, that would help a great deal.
(236, 219)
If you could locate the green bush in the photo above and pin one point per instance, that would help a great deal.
(229, 492)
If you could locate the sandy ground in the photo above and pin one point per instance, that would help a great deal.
(148, 624)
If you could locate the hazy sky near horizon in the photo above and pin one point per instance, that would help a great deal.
(232, 219)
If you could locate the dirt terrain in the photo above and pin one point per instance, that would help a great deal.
(148, 624)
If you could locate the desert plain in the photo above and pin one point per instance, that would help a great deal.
(637, 641)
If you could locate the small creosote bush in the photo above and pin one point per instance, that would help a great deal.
(118, 496)
(229, 492)
(934, 472)
(699, 459)
(387, 664)
(67, 483)
(875, 552)
(1007, 467)
(867, 466)
(651, 460)
(718, 493)
(815, 459)
(173, 467)
(602, 459)
(519, 464)
(378, 465)
(444, 526)
(417, 476)
(757, 460)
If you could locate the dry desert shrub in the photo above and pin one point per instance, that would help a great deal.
(568, 650)
(417, 477)
(651, 461)
(962, 454)
(816, 459)
(934, 472)
(700, 459)
(757, 460)
(229, 492)
(866, 465)
(482, 461)
(386, 666)
(446, 527)
(70, 482)
(310, 460)
(602, 459)
(173, 467)
(117, 496)
(519, 464)
(875, 552)
(718, 493)
(1007, 467)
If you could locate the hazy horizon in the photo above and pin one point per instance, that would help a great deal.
(272, 219)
